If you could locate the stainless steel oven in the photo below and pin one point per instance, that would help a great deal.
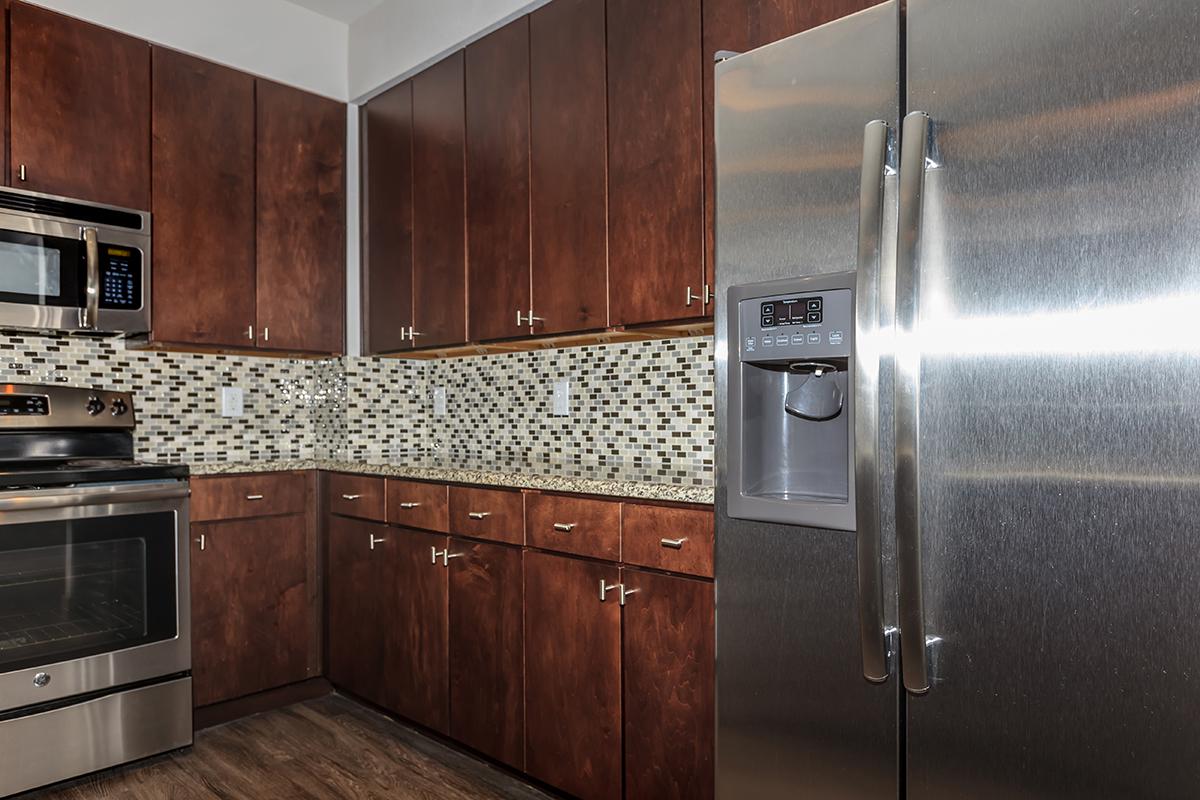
(73, 266)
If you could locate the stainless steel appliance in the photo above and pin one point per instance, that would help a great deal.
(70, 265)
(972, 575)
(95, 652)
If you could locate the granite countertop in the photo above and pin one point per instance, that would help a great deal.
(615, 480)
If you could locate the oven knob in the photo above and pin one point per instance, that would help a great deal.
(41, 679)
(119, 407)
(95, 405)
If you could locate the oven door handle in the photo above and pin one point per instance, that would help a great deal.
(91, 309)
(39, 499)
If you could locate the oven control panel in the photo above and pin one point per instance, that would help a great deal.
(24, 405)
(29, 406)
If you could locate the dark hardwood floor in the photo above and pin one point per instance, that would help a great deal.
(330, 747)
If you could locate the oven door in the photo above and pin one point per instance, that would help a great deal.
(93, 589)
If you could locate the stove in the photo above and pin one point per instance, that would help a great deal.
(95, 628)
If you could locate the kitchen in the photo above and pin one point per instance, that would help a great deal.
(598, 398)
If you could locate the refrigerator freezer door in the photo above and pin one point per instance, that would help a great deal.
(796, 716)
(1059, 339)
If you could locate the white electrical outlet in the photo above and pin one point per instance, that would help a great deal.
(562, 398)
(232, 401)
(439, 401)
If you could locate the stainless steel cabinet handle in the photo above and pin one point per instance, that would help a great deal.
(250, 332)
(915, 149)
(201, 541)
(447, 555)
(689, 297)
(254, 497)
(91, 309)
(21, 172)
(528, 320)
(266, 334)
(479, 514)
(409, 505)
(876, 145)
(376, 540)
(564, 527)
(626, 592)
(674, 544)
(707, 294)
(351, 496)
(605, 588)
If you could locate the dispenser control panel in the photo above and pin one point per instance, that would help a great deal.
(796, 326)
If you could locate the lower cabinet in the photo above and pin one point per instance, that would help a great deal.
(357, 594)
(251, 613)
(417, 668)
(573, 674)
(487, 702)
(670, 661)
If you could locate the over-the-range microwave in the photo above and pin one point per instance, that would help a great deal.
(71, 265)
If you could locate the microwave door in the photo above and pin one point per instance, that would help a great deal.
(43, 280)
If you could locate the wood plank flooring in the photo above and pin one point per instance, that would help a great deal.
(322, 749)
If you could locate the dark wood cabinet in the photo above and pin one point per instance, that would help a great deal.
(497, 96)
(202, 122)
(79, 101)
(418, 665)
(655, 168)
(360, 582)
(439, 205)
(387, 218)
(486, 649)
(301, 220)
(568, 179)
(669, 662)
(573, 675)
(251, 615)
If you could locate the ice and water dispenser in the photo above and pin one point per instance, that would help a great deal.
(791, 402)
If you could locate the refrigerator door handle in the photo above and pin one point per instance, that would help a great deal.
(915, 150)
(876, 146)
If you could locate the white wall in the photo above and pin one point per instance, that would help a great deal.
(272, 38)
(397, 38)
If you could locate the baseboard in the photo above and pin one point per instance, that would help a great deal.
(220, 713)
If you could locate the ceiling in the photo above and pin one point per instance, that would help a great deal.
(341, 10)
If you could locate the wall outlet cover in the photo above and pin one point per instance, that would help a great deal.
(232, 401)
(562, 398)
(439, 401)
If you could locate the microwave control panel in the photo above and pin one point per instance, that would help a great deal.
(120, 277)
(792, 327)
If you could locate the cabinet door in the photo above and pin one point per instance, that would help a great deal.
(439, 205)
(741, 25)
(486, 650)
(387, 219)
(202, 122)
(572, 676)
(655, 169)
(670, 663)
(301, 220)
(568, 183)
(250, 608)
(79, 109)
(417, 671)
(360, 557)
(497, 70)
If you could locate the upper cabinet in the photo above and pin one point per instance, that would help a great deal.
(79, 109)
(387, 214)
(655, 170)
(301, 215)
(568, 164)
(439, 205)
(203, 202)
(497, 95)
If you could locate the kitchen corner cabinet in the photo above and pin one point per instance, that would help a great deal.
(301, 220)
(202, 123)
(359, 591)
(419, 668)
(387, 175)
(439, 205)
(573, 675)
(79, 116)
(497, 97)
(656, 163)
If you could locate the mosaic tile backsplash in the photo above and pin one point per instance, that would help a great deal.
(648, 405)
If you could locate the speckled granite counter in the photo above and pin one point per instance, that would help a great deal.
(602, 479)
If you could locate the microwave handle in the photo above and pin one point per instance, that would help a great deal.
(91, 308)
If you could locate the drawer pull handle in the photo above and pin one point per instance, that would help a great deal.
(254, 497)
(201, 541)
(351, 496)
(409, 505)
(376, 540)
(674, 544)
(564, 527)
(479, 514)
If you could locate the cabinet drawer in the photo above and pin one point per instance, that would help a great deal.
(238, 496)
(418, 505)
(488, 514)
(356, 496)
(675, 539)
(574, 525)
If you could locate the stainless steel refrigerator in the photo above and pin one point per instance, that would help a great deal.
(958, 404)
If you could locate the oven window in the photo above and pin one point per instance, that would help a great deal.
(40, 270)
(76, 588)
